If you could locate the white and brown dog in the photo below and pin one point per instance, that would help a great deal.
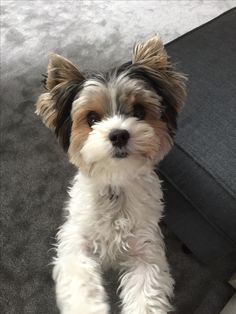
(115, 127)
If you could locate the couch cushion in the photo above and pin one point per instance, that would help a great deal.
(202, 164)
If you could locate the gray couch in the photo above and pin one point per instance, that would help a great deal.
(200, 172)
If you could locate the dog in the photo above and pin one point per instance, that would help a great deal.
(115, 127)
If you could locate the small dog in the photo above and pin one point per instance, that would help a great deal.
(115, 127)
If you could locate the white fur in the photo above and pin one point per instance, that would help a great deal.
(112, 221)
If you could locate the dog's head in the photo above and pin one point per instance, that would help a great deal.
(118, 122)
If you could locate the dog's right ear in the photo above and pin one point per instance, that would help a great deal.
(61, 75)
(62, 83)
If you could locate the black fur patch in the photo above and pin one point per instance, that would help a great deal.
(44, 80)
(123, 67)
(64, 97)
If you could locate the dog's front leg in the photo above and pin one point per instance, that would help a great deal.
(146, 284)
(77, 275)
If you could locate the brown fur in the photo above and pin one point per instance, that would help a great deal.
(165, 142)
(45, 109)
(79, 133)
(80, 129)
(151, 54)
(61, 70)
(162, 141)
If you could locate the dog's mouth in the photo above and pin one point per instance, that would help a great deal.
(120, 154)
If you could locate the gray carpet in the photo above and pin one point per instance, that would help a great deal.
(35, 172)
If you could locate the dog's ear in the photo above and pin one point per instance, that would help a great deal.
(151, 53)
(169, 84)
(61, 70)
(62, 83)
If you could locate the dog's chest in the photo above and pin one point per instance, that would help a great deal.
(111, 218)
(113, 221)
(118, 214)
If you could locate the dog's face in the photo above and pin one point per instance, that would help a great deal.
(119, 122)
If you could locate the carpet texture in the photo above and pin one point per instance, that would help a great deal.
(34, 171)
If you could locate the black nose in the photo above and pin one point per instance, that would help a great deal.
(119, 138)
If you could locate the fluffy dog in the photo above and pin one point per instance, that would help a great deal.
(115, 127)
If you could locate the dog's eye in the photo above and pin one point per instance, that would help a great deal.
(139, 111)
(92, 118)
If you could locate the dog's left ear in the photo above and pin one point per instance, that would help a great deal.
(151, 58)
(152, 55)
(62, 83)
